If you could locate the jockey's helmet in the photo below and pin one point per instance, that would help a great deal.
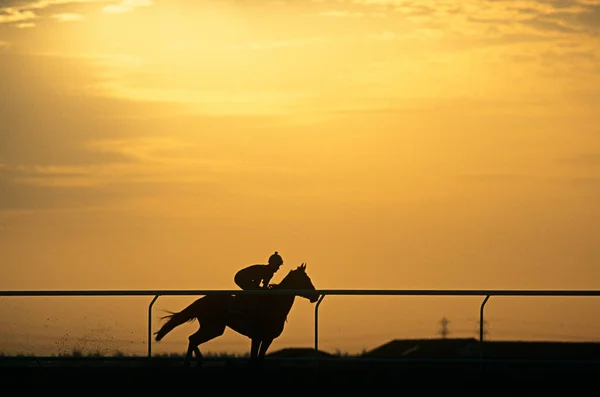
(275, 259)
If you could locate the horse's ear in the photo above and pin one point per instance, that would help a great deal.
(303, 266)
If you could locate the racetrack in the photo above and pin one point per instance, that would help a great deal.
(130, 376)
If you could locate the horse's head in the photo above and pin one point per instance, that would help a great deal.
(298, 279)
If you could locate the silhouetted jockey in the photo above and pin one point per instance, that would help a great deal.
(252, 276)
(258, 277)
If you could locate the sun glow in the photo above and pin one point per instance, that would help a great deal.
(389, 144)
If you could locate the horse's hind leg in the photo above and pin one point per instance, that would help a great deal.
(204, 334)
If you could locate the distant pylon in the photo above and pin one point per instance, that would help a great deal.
(444, 330)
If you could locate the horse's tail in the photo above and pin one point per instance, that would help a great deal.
(175, 319)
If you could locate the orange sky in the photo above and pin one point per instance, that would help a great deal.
(387, 143)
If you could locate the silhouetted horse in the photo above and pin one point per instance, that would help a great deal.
(262, 325)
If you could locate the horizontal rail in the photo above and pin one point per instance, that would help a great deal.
(360, 292)
(340, 292)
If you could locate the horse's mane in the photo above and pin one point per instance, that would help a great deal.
(285, 280)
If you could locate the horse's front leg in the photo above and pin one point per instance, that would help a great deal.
(264, 346)
(254, 349)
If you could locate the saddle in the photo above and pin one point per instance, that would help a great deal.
(244, 305)
(247, 305)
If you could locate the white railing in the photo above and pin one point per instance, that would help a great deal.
(486, 294)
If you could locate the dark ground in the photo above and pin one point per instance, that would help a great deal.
(397, 368)
(375, 378)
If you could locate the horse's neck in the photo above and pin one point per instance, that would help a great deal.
(284, 302)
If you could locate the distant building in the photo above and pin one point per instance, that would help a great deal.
(425, 348)
(296, 352)
(470, 348)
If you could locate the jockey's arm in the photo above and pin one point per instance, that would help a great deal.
(265, 282)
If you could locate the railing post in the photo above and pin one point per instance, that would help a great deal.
(317, 323)
(481, 354)
(316, 362)
(150, 325)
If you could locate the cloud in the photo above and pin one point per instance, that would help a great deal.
(41, 4)
(63, 147)
(158, 166)
(126, 6)
(584, 183)
(271, 45)
(588, 19)
(17, 196)
(213, 101)
(68, 17)
(379, 2)
(350, 14)
(582, 160)
(340, 14)
(142, 159)
(12, 15)
(385, 36)
(44, 120)
(551, 25)
(23, 13)
(549, 16)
